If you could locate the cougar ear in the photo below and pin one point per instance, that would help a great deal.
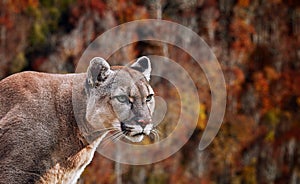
(143, 65)
(98, 71)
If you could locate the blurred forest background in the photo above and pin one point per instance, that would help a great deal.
(257, 43)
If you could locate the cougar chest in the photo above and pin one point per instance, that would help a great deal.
(70, 171)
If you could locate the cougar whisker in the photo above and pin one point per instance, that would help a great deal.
(103, 129)
(118, 137)
(156, 134)
(96, 133)
(107, 140)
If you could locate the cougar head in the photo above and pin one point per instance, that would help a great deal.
(120, 98)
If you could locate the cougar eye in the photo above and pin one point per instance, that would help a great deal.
(122, 99)
(149, 98)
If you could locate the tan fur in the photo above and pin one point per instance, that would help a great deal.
(37, 127)
(40, 141)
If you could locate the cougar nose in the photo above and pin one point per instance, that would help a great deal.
(144, 122)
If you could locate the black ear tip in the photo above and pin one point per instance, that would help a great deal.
(144, 62)
(98, 61)
(143, 65)
(98, 71)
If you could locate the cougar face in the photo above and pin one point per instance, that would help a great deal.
(120, 98)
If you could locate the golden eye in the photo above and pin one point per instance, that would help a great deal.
(122, 99)
(149, 98)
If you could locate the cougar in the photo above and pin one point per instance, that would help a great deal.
(40, 137)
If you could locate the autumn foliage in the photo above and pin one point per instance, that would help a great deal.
(256, 42)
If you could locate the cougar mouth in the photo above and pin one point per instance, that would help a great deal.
(135, 133)
(138, 134)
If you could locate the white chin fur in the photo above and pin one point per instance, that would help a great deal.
(138, 138)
